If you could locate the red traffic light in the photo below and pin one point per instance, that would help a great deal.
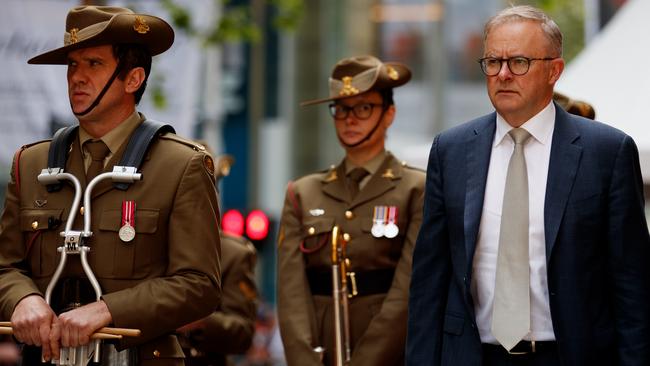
(257, 225)
(233, 223)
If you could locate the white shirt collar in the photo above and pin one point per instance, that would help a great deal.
(540, 126)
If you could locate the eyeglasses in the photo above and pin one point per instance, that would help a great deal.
(360, 111)
(519, 65)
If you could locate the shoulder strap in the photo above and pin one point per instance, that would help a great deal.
(139, 144)
(58, 153)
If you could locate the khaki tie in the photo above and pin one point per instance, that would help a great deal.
(511, 312)
(98, 152)
(355, 176)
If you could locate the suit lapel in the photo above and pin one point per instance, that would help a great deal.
(563, 166)
(479, 149)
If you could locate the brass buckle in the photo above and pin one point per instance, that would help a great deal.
(353, 284)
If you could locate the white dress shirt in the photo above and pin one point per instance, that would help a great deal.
(537, 152)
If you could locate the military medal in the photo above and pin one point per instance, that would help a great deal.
(391, 230)
(127, 231)
(378, 220)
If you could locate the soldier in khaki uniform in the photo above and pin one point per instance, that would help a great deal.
(162, 275)
(381, 215)
(230, 329)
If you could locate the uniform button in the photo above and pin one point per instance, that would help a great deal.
(346, 237)
(35, 225)
(156, 353)
(311, 230)
(81, 211)
(349, 215)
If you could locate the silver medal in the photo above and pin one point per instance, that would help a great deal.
(377, 229)
(126, 233)
(391, 230)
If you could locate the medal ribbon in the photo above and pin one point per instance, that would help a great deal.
(128, 213)
(379, 215)
(392, 214)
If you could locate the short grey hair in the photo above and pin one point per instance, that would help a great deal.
(524, 13)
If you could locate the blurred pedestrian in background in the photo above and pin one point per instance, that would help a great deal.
(230, 329)
(574, 106)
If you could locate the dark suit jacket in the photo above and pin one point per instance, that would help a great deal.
(597, 247)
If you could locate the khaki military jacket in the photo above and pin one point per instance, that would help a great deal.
(230, 329)
(313, 205)
(167, 276)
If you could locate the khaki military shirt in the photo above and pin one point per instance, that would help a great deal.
(230, 329)
(313, 205)
(167, 276)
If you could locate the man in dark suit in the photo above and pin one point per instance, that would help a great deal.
(534, 248)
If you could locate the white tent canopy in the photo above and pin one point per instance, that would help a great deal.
(613, 74)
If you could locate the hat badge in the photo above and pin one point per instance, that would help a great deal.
(74, 37)
(140, 25)
(392, 73)
(348, 89)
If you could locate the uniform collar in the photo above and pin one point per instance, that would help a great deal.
(117, 136)
(371, 166)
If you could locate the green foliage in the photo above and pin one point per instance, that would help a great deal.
(180, 16)
(569, 16)
(288, 13)
(237, 23)
(157, 91)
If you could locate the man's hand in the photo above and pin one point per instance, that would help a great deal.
(79, 324)
(35, 323)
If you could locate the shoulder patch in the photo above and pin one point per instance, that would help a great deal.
(174, 137)
(208, 164)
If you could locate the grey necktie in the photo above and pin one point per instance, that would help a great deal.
(98, 152)
(511, 311)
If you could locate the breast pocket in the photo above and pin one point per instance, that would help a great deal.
(41, 234)
(135, 259)
(383, 244)
(316, 233)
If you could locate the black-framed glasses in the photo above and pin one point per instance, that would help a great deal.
(360, 111)
(519, 65)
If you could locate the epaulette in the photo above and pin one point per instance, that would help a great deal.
(17, 155)
(405, 165)
(192, 144)
(27, 146)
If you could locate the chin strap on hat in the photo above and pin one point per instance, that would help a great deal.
(118, 69)
(381, 117)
